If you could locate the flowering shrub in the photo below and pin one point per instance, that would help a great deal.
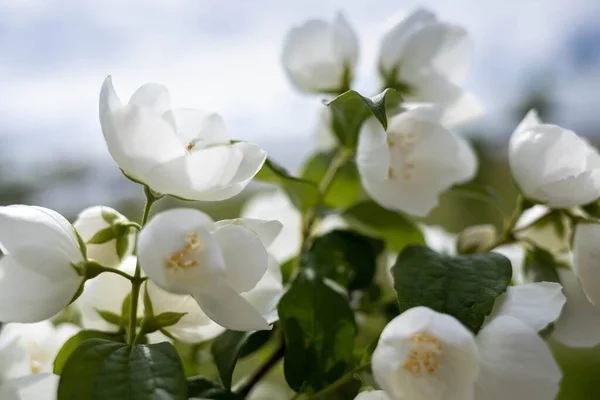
(332, 274)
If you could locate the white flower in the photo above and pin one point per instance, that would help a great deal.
(423, 354)
(184, 252)
(579, 322)
(319, 56)
(101, 219)
(545, 235)
(410, 165)
(106, 293)
(37, 276)
(429, 60)
(476, 238)
(586, 257)
(372, 395)
(32, 387)
(182, 152)
(40, 341)
(553, 165)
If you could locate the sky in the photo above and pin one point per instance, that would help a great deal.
(225, 55)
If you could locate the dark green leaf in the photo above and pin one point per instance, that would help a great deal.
(122, 246)
(229, 346)
(71, 344)
(345, 189)
(303, 194)
(166, 319)
(103, 236)
(287, 269)
(101, 369)
(201, 388)
(346, 257)
(396, 229)
(592, 209)
(464, 287)
(319, 330)
(540, 265)
(351, 109)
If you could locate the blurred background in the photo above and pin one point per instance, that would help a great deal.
(225, 56)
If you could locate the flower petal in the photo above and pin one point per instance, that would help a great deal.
(579, 323)
(28, 296)
(244, 254)
(178, 252)
(152, 96)
(227, 308)
(535, 304)
(372, 395)
(572, 191)
(515, 363)
(586, 254)
(194, 326)
(267, 231)
(199, 128)
(265, 296)
(458, 367)
(38, 387)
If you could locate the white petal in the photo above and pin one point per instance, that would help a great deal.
(226, 307)
(399, 34)
(465, 108)
(345, 41)
(579, 323)
(177, 251)
(137, 136)
(458, 369)
(26, 295)
(423, 160)
(572, 191)
(244, 254)
(530, 121)
(440, 240)
(106, 293)
(534, 304)
(199, 128)
(265, 296)
(586, 254)
(22, 226)
(152, 96)
(516, 254)
(194, 326)
(14, 359)
(89, 222)
(515, 363)
(372, 395)
(267, 231)
(35, 387)
(277, 205)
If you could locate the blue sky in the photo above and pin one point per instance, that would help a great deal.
(225, 56)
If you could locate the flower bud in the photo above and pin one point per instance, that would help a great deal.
(476, 239)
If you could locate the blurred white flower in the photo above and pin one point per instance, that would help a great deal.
(423, 354)
(410, 165)
(106, 293)
(553, 165)
(182, 152)
(579, 322)
(427, 61)
(93, 222)
(372, 395)
(320, 57)
(32, 387)
(545, 235)
(37, 276)
(184, 252)
(476, 238)
(586, 260)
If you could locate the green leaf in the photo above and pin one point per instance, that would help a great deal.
(287, 269)
(464, 287)
(202, 388)
(396, 229)
(592, 209)
(540, 265)
(101, 369)
(122, 246)
(71, 344)
(109, 317)
(319, 330)
(166, 319)
(303, 194)
(483, 193)
(346, 188)
(346, 257)
(351, 109)
(230, 346)
(103, 236)
(108, 216)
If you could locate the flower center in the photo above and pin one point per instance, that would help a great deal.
(36, 367)
(401, 146)
(425, 354)
(186, 257)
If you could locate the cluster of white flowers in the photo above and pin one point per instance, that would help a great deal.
(221, 275)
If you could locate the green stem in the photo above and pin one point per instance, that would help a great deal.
(340, 382)
(262, 371)
(340, 159)
(136, 282)
(115, 271)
